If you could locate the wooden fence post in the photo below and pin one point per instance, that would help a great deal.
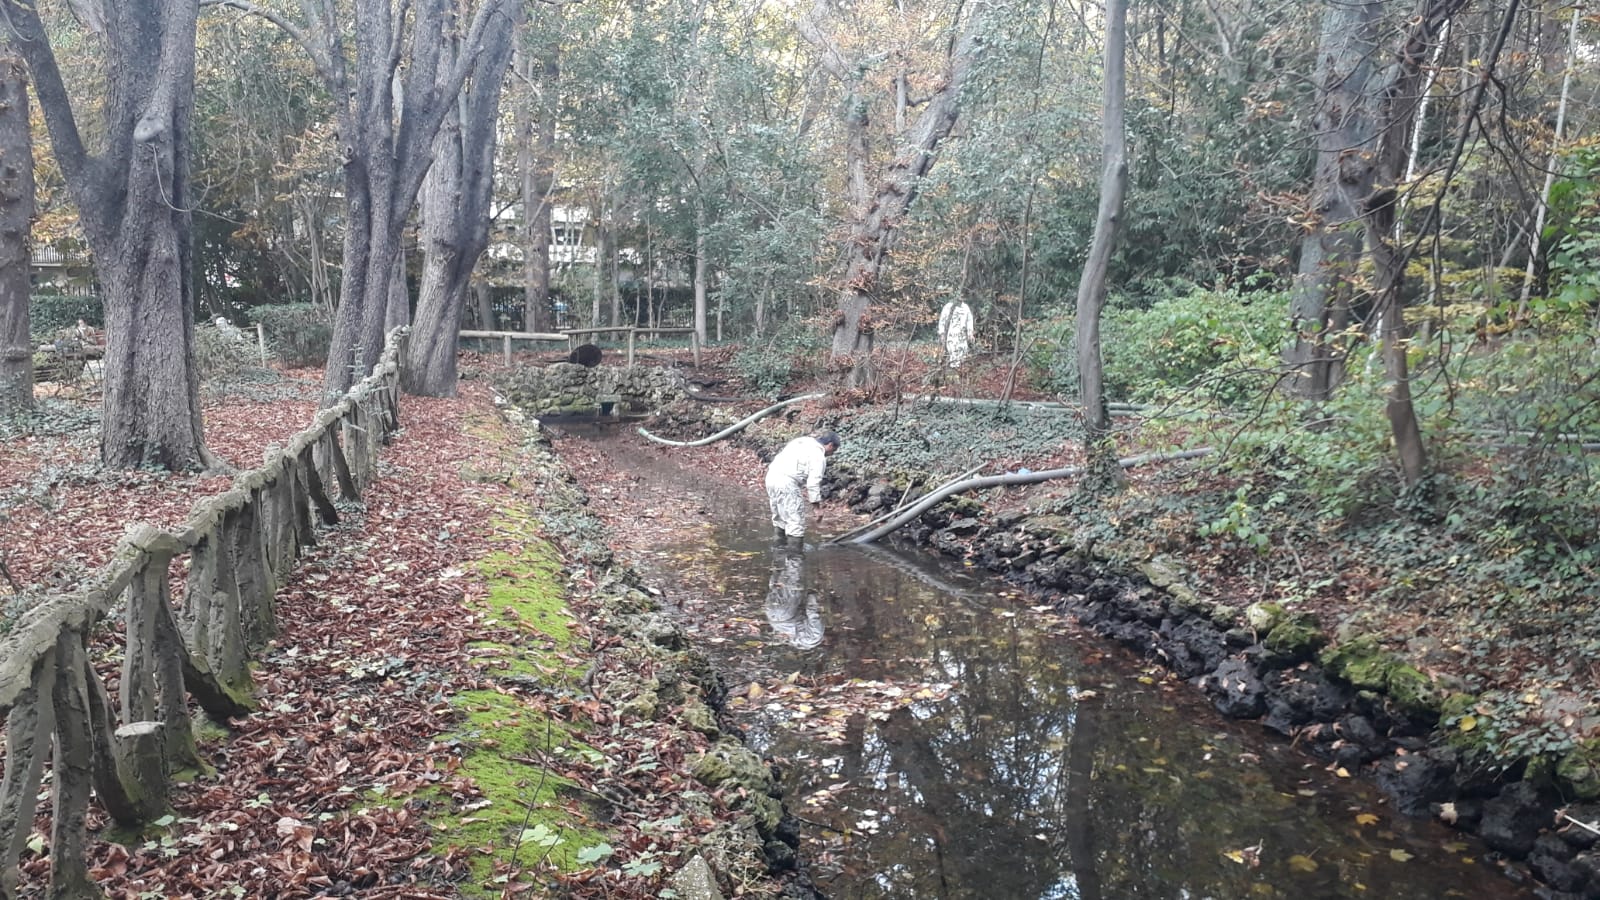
(29, 725)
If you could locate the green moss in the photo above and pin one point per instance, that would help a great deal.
(1263, 617)
(501, 737)
(1358, 661)
(1579, 768)
(1412, 690)
(1362, 663)
(1295, 638)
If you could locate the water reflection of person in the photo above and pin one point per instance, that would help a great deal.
(793, 610)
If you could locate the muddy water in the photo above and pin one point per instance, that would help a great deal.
(942, 740)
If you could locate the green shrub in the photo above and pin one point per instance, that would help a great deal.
(769, 367)
(221, 352)
(1211, 342)
(50, 313)
(298, 334)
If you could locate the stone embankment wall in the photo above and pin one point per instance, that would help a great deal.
(1350, 703)
(570, 389)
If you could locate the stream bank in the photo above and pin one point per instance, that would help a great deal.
(1344, 699)
(941, 738)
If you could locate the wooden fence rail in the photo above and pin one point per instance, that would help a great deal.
(241, 546)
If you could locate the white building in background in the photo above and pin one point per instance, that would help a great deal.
(570, 242)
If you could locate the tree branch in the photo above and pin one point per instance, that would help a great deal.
(27, 35)
(319, 58)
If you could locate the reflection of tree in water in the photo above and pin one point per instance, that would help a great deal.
(1020, 786)
(976, 774)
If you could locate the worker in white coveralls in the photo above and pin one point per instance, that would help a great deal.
(795, 477)
(956, 331)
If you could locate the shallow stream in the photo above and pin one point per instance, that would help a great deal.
(942, 740)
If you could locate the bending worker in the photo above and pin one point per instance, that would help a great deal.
(795, 476)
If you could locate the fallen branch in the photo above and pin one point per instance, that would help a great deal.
(988, 481)
(735, 427)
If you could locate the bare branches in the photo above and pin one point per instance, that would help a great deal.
(27, 34)
(318, 52)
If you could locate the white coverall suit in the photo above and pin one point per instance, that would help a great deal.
(794, 476)
(956, 330)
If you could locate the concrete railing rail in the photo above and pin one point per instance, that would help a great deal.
(572, 335)
(240, 547)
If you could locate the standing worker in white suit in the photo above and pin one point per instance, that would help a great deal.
(956, 331)
(795, 476)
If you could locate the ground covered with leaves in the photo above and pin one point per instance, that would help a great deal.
(438, 712)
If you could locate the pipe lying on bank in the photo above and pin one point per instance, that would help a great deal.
(1047, 405)
(735, 427)
(989, 481)
(900, 507)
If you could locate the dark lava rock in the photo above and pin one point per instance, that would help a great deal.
(1192, 646)
(947, 543)
(1418, 780)
(780, 857)
(1467, 813)
(1578, 836)
(1587, 864)
(1296, 698)
(1134, 635)
(1551, 861)
(1144, 604)
(964, 526)
(1235, 690)
(1100, 591)
(1512, 821)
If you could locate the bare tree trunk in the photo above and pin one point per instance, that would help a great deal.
(390, 104)
(880, 206)
(1108, 220)
(700, 308)
(1346, 133)
(16, 216)
(536, 164)
(1536, 237)
(483, 298)
(455, 208)
(133, 203)
(397, 312)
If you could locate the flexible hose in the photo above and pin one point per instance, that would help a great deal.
(989, 481)
(731, 429)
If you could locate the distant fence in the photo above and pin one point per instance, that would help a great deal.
(571, 336)
(240, 547)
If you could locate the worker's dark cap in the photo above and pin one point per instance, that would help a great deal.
(827, 438)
